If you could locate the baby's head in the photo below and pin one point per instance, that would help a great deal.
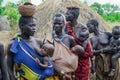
(116, 32)
(82, 33)
(78, 50)
(48, 49)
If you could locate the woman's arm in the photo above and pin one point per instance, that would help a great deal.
(3, 64)
(10, 63)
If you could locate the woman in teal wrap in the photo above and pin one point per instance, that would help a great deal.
(22, 52)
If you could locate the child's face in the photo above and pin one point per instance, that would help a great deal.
(45, 51)
(116, 34)
(83, 35)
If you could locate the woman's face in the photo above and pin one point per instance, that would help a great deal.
(69, 15)
(58, 25)
(91, 27)
(29, 28)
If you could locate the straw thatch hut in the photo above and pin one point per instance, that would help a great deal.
(47, 9)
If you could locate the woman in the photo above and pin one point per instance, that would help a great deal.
(23, 51)
(100, 43)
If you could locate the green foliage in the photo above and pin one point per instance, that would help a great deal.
(1, 8)
(113, 17)
(97, 7)
(1, 1)
(11, 11)
(109, 8)
(107, 11)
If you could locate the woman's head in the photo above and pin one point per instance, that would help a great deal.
(27, 23)
(92, 25)
(72, 13)
(58, 23)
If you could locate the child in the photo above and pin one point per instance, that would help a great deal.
(46, 52)
(114, 44)
(45, 63)
(78, 50)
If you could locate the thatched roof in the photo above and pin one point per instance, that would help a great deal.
(46, 10)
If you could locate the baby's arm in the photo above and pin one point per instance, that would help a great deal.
(43, 65)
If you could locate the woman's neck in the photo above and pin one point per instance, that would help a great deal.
(59, 36)
(97, 32)
(25, 37)
(73, 23)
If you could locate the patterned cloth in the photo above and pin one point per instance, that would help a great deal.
(69, 29)
(57, 76)
(21, 57)
(82, 71)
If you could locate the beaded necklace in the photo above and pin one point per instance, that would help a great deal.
(54, 36)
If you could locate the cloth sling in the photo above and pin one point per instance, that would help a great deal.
(64, 58)
(24, 56)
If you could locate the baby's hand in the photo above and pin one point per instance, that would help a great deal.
(37, 60)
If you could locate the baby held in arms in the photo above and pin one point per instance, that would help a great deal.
(78, 50)
(46, 52)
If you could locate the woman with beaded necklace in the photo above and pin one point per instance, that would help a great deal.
(64, 58)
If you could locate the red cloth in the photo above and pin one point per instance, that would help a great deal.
(83, 68)
(69, 29)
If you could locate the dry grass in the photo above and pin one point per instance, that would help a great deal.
(5, 36)
(113, 24)
(46, 10)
